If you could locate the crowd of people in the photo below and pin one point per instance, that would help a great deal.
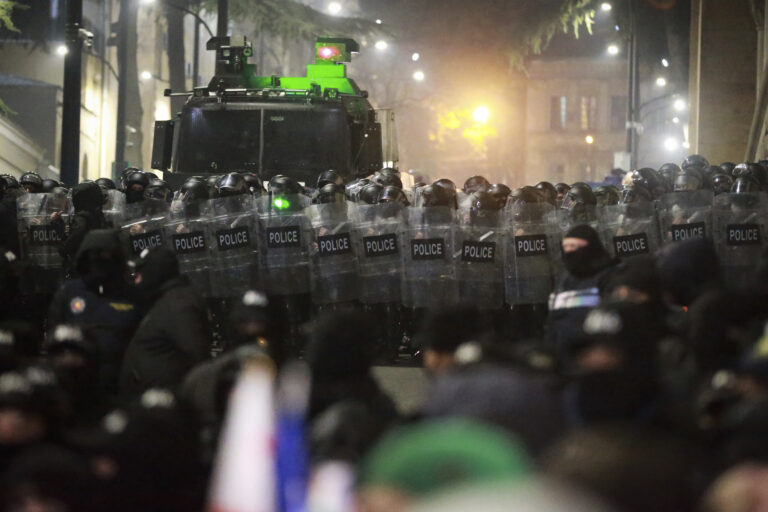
(212, 347)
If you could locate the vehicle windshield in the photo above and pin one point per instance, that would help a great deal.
(290, 139)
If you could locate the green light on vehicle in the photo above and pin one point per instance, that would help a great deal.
(281, 204)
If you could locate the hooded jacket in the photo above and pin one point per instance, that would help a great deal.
(100, 301)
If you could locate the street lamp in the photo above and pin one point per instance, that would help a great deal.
(381, 45)
(671, 144)
(145, 75)
(661, 82)
(679, 104)
(378, 21)
(415, 56)
(606, 7)
(418, 76)
(589, 139)
(481, 114)
(613, 49)
(334, 8)
(62, 50)
(665, 63)
(676, 120)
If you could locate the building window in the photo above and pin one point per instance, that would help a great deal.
(558, 112)
(588, 119)
(618, 113)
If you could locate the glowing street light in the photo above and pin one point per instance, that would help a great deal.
(613, 49)
(606, 7)
(481, 114)
(147, 2)
(589, 139)
(145, 75)
(671, 144)
(418, 76)
(665, 63)
(661, 82)
(381, 45)
(415, 56)
(62, 50)
(334, 8)
(679, 104)
(676, 120)
(378, 21)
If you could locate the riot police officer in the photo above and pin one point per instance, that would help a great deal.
(106, 184)
(369, 194)
(31, 182)
(561, 189)
(329, 176)
(721, 183)
(392, 194)
(579, 207)
(669, 171)
(607, 195)
(547, 191)
(135, 184)
(388, 178)
(87, 199)
(500, 192)
(648, 178)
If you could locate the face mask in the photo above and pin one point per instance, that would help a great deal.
(580, 263)
(103, 271)
(133, 195)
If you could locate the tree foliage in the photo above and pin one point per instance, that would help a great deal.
(6, 12)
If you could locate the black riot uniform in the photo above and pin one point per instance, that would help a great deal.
(87, 198)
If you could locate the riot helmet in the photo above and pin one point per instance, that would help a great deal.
(500, 193)
(561, 189)
(435, 195)
(329, 176)
(231, 184)
(370, 193)
(31, 182)
(745, 185)
(253, 182)
(284, 185)
(607, 195)
(525, 195)
(695, 161)
(388, 179)
(450, 187)
(636, 194)
(754, 171)
(106, 184)
(669, 171)
(331, 193)
(547, 191)
(135, 184)
(393, 195)
(483, 207)
(727, 168)
(476, 184)
(688, 179)
(193, 190)
(160, 190)
(87, 196)
(650, 179)
(49, 184)
(578, 197)
(721, 183)
(124, 175)
(353, 188)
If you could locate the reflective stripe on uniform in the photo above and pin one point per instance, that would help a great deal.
(586, 298)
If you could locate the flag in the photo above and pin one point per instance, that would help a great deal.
(244, 471)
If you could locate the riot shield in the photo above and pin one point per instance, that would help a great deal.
(377, 246)
(630, 230)
(283, 259)
(232, 238)
(186, 234)
(141, 226)
(427, 247)
(739, 222)
(333, 263)
(39, 240)
(532, 253)
(480, 261)
(114, 205)
(685, 215)
(578, 215)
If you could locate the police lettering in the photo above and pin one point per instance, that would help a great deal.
(688, 231)
(478, 252)
(43, 235)
(630, 245)
(288, 236)
(742, 234)
(235, 238)
(147, 240)
(334, 244)
(531, 245)
(428, 249)
(189, 242)
(381, 245)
